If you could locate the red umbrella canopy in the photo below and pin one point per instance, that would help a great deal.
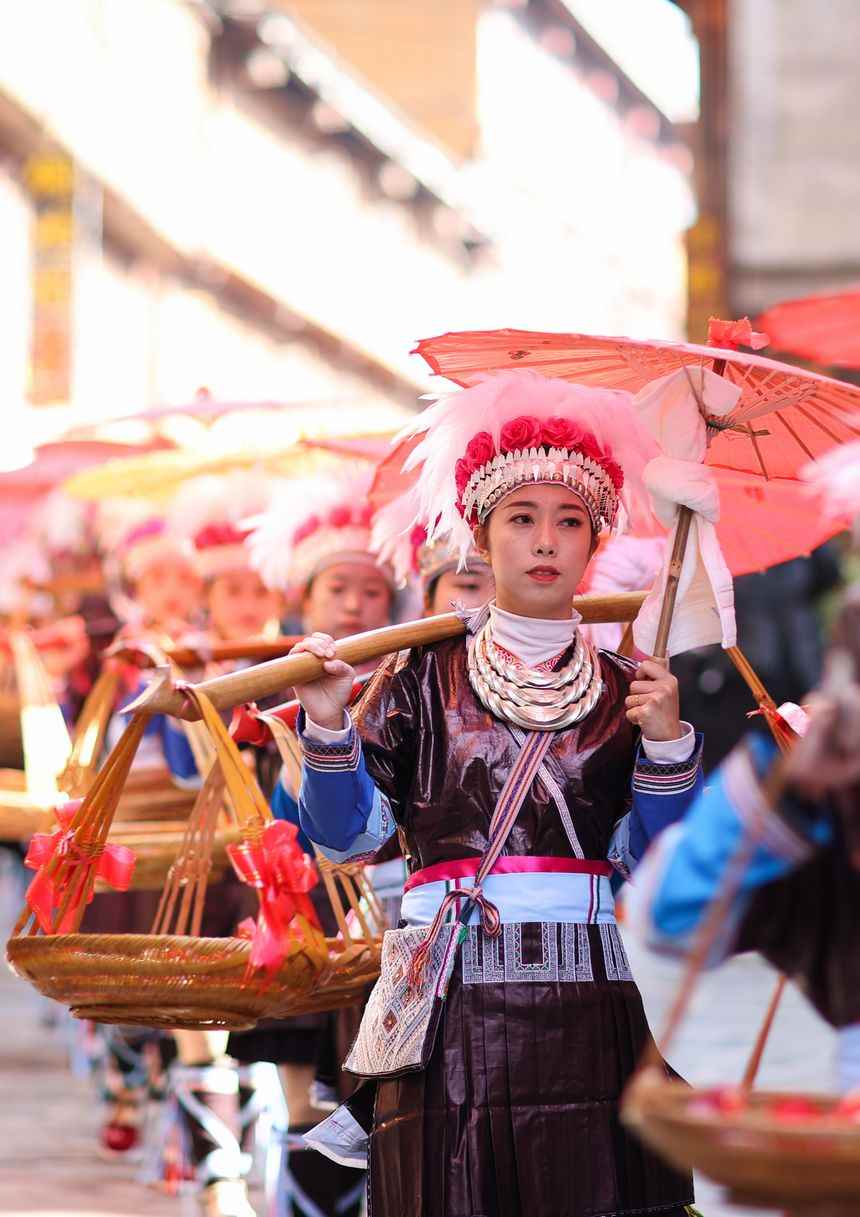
(761, 524)
(824, 329)
(785, 416)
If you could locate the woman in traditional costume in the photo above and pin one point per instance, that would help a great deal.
(217, 1102)
(313, 544)
(156, 592)
(513, 1107)
(158, 595)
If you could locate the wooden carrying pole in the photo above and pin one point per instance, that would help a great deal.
(265, 679)
(217, 652)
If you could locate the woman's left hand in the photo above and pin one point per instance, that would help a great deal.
(652, 704)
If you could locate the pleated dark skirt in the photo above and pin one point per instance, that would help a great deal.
(517, 1113)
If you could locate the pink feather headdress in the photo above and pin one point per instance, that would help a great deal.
(510, 429)
(309, 526)
(214, 513)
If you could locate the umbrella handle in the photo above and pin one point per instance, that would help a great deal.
(682, 533)
(670, 595)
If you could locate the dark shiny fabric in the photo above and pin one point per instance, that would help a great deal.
(442, 759)
(807, 926)
(517, 1111)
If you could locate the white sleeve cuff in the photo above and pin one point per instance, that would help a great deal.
(323, 735)
(671, 751)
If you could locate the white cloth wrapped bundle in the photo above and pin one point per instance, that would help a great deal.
(704, 608)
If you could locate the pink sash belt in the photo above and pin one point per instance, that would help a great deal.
(467, 868)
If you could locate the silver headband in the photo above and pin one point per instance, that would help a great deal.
(494, 481)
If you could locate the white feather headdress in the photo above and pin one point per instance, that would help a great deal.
(311, 524)
(63, 525)
(402, 542)
(447, 490)
(836, 478)
(214, 514)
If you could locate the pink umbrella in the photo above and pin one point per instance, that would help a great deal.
(203, 408)
(22, 489)
(824, 329)
(747, 534)
(785, 416)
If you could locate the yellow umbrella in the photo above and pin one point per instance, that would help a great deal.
(158, 475)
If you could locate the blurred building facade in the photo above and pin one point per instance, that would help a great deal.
(276, 200)
(777, 148)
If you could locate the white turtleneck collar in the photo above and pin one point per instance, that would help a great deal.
(533, 640)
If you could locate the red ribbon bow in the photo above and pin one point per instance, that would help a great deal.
(113, 863)
(283, 875)
(731, 334)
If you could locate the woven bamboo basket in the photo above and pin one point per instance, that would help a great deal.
(354, 954)
(152, 810)
(11, 743)
(760, 1158)
(795, 1152)
(156, 844)
(155, 980)
(171, 977)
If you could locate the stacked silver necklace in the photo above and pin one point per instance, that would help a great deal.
(528, 697)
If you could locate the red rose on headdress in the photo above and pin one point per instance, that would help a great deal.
(614, 470)
(365, 516)
(522, 432)
(589, 446)
(560, 433)
(340, 516)
(417, 538)
(480, 450)
(310, 526)
(462, 473)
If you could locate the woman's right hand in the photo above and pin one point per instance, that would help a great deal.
(325, 699)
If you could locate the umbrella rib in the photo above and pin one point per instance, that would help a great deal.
(791, 431)
(817, 422)
(838, 419)
(754, 441)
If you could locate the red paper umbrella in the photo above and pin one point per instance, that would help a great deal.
(760, 524)
(784, 417)
(824, 329)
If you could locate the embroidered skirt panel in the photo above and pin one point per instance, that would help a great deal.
(517, 1112)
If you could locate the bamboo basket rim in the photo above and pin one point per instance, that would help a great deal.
(337, 974)
(160, 994)
(677, 1100)
(792, 1165)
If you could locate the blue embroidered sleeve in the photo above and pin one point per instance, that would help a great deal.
(164, 743)
(686, 865)
(177, 752)
(285, 807)
(662, 793)
(340, 808)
